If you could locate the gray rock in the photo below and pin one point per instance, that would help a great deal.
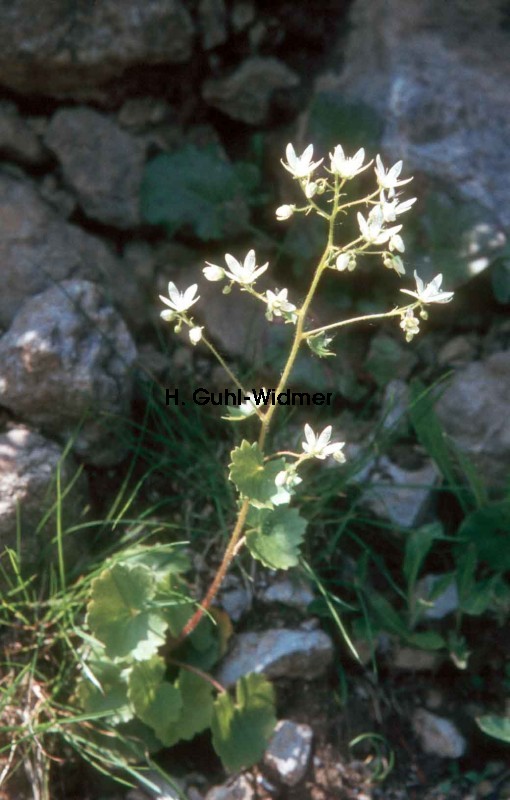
(212, 17)
(402, 496)
(246, 94)
(445, 603)
(28, 490)
(236, 602)
(235, 789)
(436, 74)
(242, 14)
(473, 410)
(438, 736)
(66, 359)
(412, 659)
(278, 653)
(395, 405)
(39, 249)
(102, 163)
(290, 590)
(17, 139)
(59, 49)
(288, 752)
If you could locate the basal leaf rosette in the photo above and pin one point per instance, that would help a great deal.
(121, 612)
(241, 728)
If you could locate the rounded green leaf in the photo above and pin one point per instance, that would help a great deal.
(120, 613)
(241, 729)
(276, 537)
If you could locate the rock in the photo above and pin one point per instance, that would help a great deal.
(235, 789)
(445, 603)
(239, 328)
(102, 163)
(436, 75)
(236, 602)
(413, 659)
(473, 410)
(39, 249)
(212, 18)
(17, 139)
(402, 496)
(242, 14)
(438, 736)
(457, 351)
(28, 467)
(394, 405)
(247, 93)
(288, 752)
(63, 50)
(278, 653)
(66, 359)
(290, 590)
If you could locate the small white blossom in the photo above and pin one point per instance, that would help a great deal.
(195, 334)
(300, 166)
(285, 481)
(213, 273)
(345, 261)
(284, 212)
(245, 273)
(347, 167)
(319, 446)
(409, 324)
(372, 229)
(397, 243)
(430, 292)
(389, 179)
(277, 303)
(392, 208)
(179, 302)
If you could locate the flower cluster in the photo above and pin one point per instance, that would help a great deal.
(178, 304)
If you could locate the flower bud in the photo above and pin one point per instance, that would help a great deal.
(284, 212)
(195, 334)
(310, 189)
(213, 272)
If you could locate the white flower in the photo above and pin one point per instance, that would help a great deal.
(278, 304)
(284, 212)
(245, 273)
(392, 208)
(429, 293)
(285, 481)
(300, 166)
(347, 167)
(179, 302)
(320, 446)
(397, 243)
(372, 230)
(213, 272)
(409, 324)
(195, 334)
(389, 180)
(345, 261)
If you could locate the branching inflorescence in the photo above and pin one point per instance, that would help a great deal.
(272, 530)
